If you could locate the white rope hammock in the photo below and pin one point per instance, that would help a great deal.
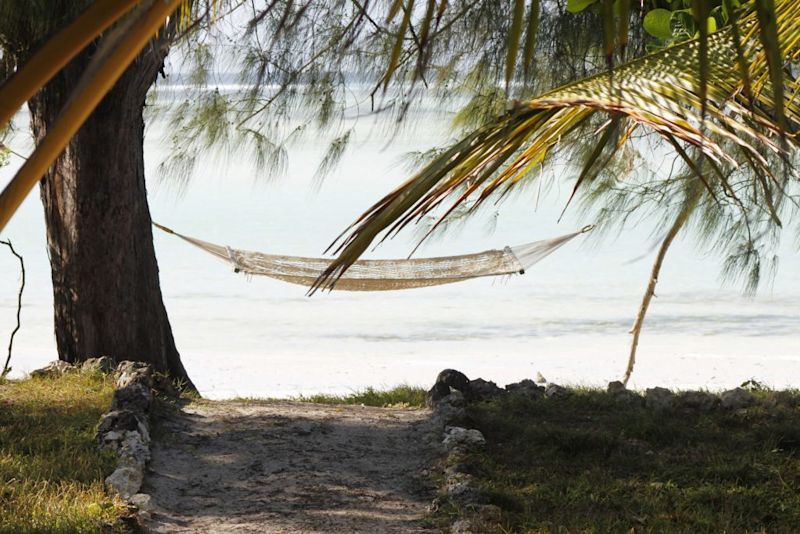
(384, 275)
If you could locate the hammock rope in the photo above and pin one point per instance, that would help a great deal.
(385, 275)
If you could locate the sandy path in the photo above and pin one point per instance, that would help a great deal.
(290, 467)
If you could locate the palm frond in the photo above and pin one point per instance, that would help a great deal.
(57, 52)
(110, 61)
(660, 91)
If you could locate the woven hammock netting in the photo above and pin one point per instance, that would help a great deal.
(386, 275)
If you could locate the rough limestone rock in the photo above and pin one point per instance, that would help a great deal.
(142, 501)
(736, 399)
(456, 399)
(103, 364)
(436, 393)
(447, 414)
(128, 372)
(456, 437)
(126, 430)
(458, 466)
(698, 400)
(120, 420)
(526, 387)
(135, 396)
(628, 398)
(435, 505)
(616, 387)
(451, 409)
(53, 369)
(134, 450)
(458, 484)
(125, 481)
(480, 389)
(554, 391)
(454, 379)
(132, 446)
(461, 488)
(622, 395)
(659, 398)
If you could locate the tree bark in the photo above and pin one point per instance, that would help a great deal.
(106, 289)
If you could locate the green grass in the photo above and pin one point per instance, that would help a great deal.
(590, 464)
(400, 396)
(397, 397)
(51, 474)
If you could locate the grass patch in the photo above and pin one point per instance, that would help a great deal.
(51, 474)
(397, 397)
(400, 396)
(588, 463)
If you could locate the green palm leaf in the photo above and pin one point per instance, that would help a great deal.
(663, 91)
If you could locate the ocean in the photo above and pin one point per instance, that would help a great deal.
(567, 318)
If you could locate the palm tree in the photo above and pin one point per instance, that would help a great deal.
(725, 104)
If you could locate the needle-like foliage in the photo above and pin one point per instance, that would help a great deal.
(314, 68)
(738, 145)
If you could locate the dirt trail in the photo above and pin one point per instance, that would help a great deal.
(290, 467)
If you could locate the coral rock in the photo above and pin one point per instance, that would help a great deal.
(480, 389)
(526, 387)
(458, 437)
(103, 364)
(659, 398)
(454, 379)
(125, 481)
(736, 399)
(53, 369)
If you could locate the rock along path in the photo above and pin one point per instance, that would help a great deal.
(290, 467)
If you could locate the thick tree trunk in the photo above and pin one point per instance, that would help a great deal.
(105, 276)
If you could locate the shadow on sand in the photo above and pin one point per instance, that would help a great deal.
(290, 467)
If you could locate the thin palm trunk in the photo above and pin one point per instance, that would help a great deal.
(650, 292)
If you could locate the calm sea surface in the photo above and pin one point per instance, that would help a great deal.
(567, 318)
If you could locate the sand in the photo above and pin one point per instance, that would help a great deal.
(290, 467)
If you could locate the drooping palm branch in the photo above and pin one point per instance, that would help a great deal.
(110, 63)
(715, 116)
(116, 51)
(58, 51)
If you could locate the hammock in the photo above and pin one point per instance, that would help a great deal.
(384, 275)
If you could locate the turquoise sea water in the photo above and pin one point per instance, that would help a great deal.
(567, 318)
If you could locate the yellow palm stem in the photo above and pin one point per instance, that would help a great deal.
(83, 102)
(57, 52)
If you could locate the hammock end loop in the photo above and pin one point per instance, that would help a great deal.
(163, 228)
